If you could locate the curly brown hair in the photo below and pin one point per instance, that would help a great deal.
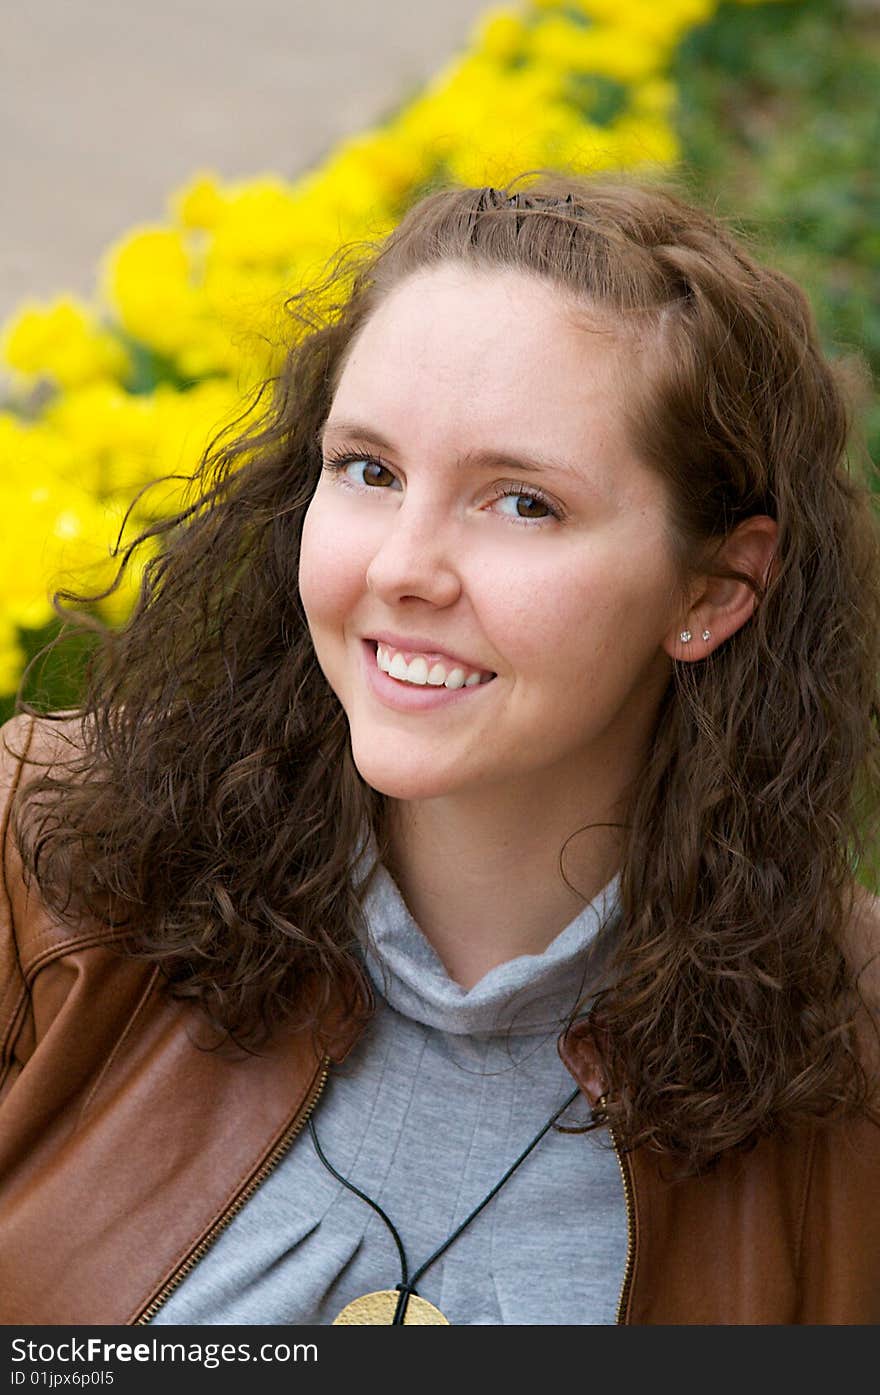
(211, 811)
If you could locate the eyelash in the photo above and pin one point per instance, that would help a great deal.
(337, 460)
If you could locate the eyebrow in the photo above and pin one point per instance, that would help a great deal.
(480, 459)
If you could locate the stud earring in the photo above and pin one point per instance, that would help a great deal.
(705, 634)
(685, 636)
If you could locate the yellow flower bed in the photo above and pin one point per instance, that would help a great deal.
(200, 299)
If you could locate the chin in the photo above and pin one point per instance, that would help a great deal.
(398, 780)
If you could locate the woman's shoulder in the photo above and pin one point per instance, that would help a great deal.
(42, 742)
(30, 747)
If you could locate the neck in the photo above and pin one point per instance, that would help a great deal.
(480, 873)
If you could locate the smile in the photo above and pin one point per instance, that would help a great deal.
(423, 692)
(418, 672)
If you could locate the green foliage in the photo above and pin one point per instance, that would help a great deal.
(780, 123)
(600, 98)
(149, 369)
(56, 680)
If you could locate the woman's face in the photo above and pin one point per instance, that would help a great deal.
(566, 597)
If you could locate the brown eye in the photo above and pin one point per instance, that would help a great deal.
(372, 470)
(527, 505)
(374, 473)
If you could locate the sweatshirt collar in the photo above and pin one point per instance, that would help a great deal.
(527, 995)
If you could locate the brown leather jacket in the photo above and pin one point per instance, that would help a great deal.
(124, 1151)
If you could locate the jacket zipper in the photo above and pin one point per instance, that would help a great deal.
(256, 1181)
(626, 1178)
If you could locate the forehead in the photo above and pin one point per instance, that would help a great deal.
(501, 340)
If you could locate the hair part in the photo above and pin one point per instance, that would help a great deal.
(212, 812)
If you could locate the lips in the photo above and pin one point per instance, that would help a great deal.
(414, 698)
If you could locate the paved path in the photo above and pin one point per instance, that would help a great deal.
(108, 105)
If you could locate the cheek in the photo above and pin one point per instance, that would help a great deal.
(554, 611)
(330, 568)
(591, 615)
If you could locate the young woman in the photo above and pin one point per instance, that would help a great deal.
(443, 906)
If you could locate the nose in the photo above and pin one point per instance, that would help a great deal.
(414, 556)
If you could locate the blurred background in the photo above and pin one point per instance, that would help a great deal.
(173, 172)
(106, 105)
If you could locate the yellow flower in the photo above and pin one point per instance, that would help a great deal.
(110, 435)
(499, 33)
(617, 51)
(184, 424)
(641, 141)
(63, 341)
(655, 97)
(374, 166)
(199, 204)
(259, 226)
(66, 482)
(508, 146)
(639, 13)
(147, 279)
(52, 533)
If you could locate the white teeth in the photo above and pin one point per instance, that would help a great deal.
(417, 671)
(399, 668)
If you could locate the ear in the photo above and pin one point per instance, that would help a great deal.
(722, 605)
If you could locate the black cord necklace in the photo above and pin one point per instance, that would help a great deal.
(403, 1304)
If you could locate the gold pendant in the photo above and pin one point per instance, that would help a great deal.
(378, 1309)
